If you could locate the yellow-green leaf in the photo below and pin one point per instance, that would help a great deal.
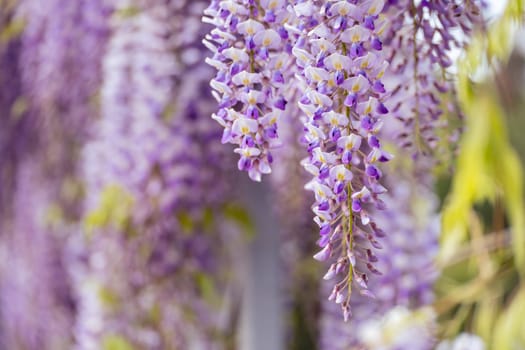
(114, 209)
(509, 333)
(116, 342)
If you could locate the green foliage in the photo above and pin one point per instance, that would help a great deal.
(116, 342)
(482, 288)
(509, 331)
(128, 12)
(207, 289)
(186, 222)
(240, 217)
(107, 297)
(11, 28)
(487, 166)
(113, 211)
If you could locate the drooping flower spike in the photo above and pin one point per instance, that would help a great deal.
(420, 43)
(341, 64)
(251, 52)
(407, 263)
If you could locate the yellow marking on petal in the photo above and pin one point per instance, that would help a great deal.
(338, 66)
(245, 130)
(267, 41)
(334, 121)
(368, 109)
(356, 88)
(356, 37)
(252, 100)
(372, 10)
(340, 176)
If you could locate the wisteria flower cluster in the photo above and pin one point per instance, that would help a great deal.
(250, 51)
(121, 219)
(368, 74)
(420, 42)
(407, 263)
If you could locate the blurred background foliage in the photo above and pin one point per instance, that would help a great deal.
(481, 289)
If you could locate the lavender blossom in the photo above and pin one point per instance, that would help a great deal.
(251, 53)
(341, 64)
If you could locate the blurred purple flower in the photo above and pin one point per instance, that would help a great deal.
(421, 41)
(154, 156)
(46, 127)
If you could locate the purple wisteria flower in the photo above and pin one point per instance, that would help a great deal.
(421, 41)
(155, 185)
(14, 130)
(341, 64)
(47, 126)
(407, 263)
(251, 52)
(37, 309)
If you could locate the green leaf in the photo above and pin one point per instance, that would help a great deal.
(114, 210)
(509, 332)
(485, 317)
(207, 289)
(107, 297)
(11, 30)
(116, 342)
(512, 183)
(240, 216)
(186, 222)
